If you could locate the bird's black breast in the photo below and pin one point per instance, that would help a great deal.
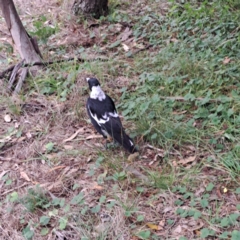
(101, 107)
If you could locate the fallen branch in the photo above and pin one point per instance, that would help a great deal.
(10, 69)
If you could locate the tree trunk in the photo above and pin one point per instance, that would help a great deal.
(95, 8)
(26, 46)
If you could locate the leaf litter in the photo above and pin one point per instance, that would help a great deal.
(69, 170)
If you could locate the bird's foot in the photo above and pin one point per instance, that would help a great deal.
(111, 145)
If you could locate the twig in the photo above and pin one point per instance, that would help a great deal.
(152, 147)
(139, 50)
(6, 192)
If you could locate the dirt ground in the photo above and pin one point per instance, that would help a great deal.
(50, 143)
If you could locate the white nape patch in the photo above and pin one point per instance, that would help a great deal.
(100, 121)
(114, 114)
(97, 93)
(87, 79)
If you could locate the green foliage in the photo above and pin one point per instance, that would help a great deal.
(44, 231)
(27, 233)
(36, 198)
(55, 82)
(235, 235)
(62, 223)
(144, 234)
(78, 199)
(44, 220)
(231, 161)
(14, 197)
(49, 147)
(42, 30)
(210, 187)
(201, 204)
(186, 93)
(197, 62)
(119, 176)
(205, 232)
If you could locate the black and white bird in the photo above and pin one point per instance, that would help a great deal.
(103, 114)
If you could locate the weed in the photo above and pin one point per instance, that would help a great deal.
(181, 96)
(35, 198)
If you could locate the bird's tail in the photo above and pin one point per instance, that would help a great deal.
(124, 140)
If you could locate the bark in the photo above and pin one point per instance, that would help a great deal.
(96, 8)
(26, 46)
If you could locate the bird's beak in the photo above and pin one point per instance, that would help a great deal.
(87, 79)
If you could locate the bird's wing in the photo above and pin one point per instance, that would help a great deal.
(104, 114)
(95, 123)
(115, 129)
(100, 111)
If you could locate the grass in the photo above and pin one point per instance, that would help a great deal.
(180, 102)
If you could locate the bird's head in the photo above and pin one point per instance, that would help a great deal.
(92, 82)
(96, 91)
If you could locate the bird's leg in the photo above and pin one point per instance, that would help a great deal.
(111, 143)
(108, 141)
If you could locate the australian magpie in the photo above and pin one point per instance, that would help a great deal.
(103, 114)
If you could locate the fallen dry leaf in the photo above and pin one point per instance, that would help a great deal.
(167, 209)
(179, 113)
(52, 156)
(173, 40)
(63, 173)
(25, 176)
(161, 224)
(192, 148)
(7, 118)
(133, 156)
(55, 168)
(55, 185)
(29, 135)
(138, 45)
(153, 226)
(175, 163)
(125, 47)
(89, 159)
(226, 60)
(160, 155)
(93, 136)
(197, 232)
(218, 192)
(96, 186)
(187, 160)
(68, 147)
(177, 230)
(199, 191)
(225, 190)
(20, 139)
(81, 130)
(6, 139)
(125, 34)
(72, 171)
